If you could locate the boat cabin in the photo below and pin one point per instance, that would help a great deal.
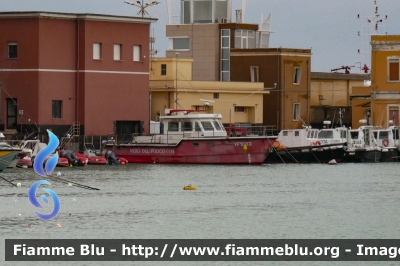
(362, 137)
(332, 136)
(396, 135)
(384, 137)
(297, 137)
(185, 124)
(193, 125)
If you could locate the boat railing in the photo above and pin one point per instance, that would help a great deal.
(250, 131)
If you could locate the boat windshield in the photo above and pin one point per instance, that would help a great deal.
(197, 127)
(207, 126)
(325, 134)
(354, 134)
(217, 126)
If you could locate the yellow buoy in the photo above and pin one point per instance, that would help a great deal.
(189, 187)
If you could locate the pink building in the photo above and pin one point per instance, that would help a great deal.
(57, 69)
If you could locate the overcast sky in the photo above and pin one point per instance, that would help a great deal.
(329, 27)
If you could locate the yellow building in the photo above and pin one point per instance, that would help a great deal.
(171, 86)
(380, 106)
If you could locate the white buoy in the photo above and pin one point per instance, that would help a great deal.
(332, 162)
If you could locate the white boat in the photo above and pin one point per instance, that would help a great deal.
(310, 145)
(29, 150)
(384, 139)
(362, 147)
(8, 155)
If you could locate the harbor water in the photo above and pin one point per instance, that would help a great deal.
(139, 201)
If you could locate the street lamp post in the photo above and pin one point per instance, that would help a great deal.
(176, 81)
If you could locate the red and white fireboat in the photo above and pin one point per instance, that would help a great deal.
(187, 137)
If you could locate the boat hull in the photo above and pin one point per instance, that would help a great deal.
(389, 155)
(6, 158)
(327, 153)
(363, 156)
(306, 154)
(96, 161)
(289, 155)
(244, 150)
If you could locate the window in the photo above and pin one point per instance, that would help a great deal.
(296, 133)
(394, 71)
(163, 69)
(12, 50)
(180, 43)
(297, 75)
(240, 109)
(173, 126)
(216, 95)
(117, 52)
(97, 51)
(343, 134)
(325, 134)
(296, 111)
(254, 73)
(354, 134)
(204, 108)
(395, 134)
(56, 110)
(225, 59)
(285, 133)
(383, 134)
(245, 39)
(136, 53)
(207, 126)
(187, 126)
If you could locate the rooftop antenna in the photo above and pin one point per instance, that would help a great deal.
(341, 113)
(373, 22)
(142, 6)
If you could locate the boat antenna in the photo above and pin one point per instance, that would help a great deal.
(341, 111)
(304, 123)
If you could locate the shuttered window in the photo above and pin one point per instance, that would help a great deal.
(117, 52)
(97, 51)
(136, 53)
(394, 70)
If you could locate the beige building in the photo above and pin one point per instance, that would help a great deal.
(330, 92)
(171, 86)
